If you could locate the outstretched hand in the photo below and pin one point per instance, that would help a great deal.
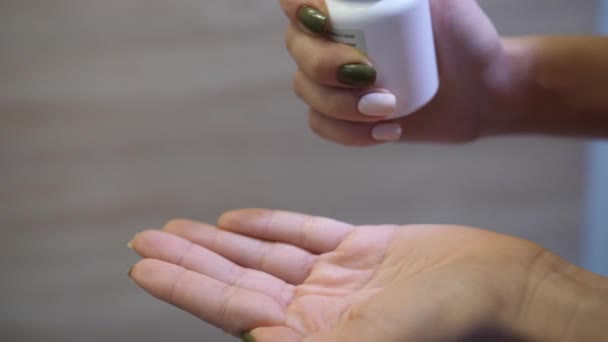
(284, 277)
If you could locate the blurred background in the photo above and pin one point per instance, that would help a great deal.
(118, 115)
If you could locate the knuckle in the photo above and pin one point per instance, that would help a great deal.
(314, 124)
(335, 108)
(288, 38)
(318, 67)
(297, 85)
(318, 127)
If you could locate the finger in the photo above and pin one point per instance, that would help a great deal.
(309, 15)
(354, 133)
(329, 63)
(275, 334)
(230, 308)
(287, 262)
(345, 104)
(316, 234)
(179, 251)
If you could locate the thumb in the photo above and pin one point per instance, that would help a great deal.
(272, 334)
(351, 331)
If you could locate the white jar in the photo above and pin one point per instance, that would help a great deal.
(397, 36)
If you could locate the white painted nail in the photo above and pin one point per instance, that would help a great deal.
(387, 132)
(378, 104)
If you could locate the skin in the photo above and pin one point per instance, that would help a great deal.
(286, 276)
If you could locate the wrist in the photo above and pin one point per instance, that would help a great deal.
(563, 303)
(511, 87)
(550, 85)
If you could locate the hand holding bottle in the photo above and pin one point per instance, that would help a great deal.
(338, 82)
(488, 85)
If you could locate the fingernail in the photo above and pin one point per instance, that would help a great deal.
(312, 19)
(358, 75)
(248, 338)
(130, 271)
(387, 132)
(130, 244)
(378, 104)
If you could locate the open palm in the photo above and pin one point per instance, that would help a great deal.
(292, 277)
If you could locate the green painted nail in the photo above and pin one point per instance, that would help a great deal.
(248, 338)
(312, 19)
(358, 75)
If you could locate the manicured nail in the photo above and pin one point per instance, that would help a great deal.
(358, 75)
(248, 338)
(312, 19)
(378, 104)
(130, 271)
(387, 132)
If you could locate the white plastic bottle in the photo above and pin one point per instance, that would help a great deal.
(397, 36)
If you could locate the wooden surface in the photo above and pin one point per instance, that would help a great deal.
(118, 115)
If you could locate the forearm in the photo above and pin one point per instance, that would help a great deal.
(565, 303)
(556, 85)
